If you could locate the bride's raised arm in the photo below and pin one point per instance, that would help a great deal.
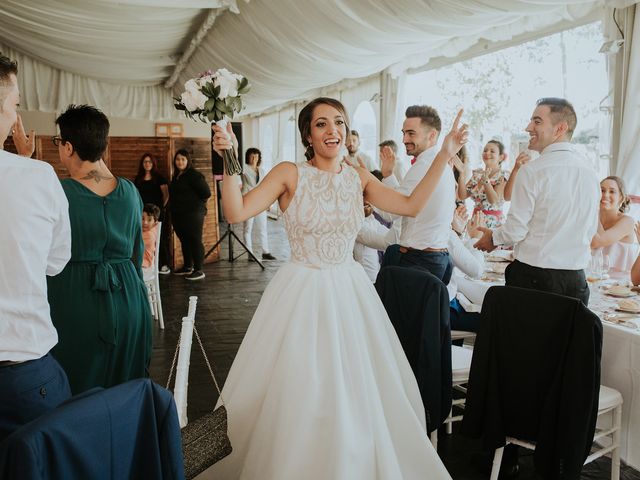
(387, 199)
(238, 208)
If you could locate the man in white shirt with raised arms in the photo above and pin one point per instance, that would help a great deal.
(424, 238)
(35, 241)
(554, 209)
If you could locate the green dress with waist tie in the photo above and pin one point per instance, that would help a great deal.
(99, 301)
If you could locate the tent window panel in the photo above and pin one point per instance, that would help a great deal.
(499, 90)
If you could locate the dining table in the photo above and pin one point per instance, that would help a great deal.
(621, 340)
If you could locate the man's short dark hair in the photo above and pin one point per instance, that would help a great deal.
(389, 143)
(87, 129)
(427, 115)
(561, 111)
(354, 133)
(7, 67)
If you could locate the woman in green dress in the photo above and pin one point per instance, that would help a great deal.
(99, 301)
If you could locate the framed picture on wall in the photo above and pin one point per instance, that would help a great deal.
(169, 130)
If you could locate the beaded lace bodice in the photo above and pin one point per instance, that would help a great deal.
(324, 216)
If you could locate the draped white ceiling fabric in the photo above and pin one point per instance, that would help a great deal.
(117, 54)
(133, 42)
(289, 47)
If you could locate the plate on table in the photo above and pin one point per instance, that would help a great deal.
(618, 291)
(620, 295)
(623, 319)
(628, 306)
(626, 310)
(497, 268)
(500, 256)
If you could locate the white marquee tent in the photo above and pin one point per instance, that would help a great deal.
(130, 57)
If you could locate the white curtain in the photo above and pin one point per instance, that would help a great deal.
(49, 89)
(627, 160)
(391, 114)
(269, 140)
(351, 97)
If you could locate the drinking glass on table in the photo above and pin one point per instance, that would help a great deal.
(606, 265)
(595, 266)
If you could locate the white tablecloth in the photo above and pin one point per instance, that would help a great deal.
(620, 359)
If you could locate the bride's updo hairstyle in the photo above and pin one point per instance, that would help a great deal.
(306, 115)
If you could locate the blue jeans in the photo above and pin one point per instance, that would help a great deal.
(461, 319)
(30, 389)
(437, 263)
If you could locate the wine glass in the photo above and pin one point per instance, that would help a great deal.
(595, 265)
(606, 265)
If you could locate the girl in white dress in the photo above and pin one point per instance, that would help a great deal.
(320, 387)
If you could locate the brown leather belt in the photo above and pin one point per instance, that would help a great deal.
(8, 363)
(428, 249)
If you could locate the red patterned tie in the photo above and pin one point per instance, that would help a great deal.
(414, 160)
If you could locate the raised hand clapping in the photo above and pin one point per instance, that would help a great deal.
(457, 136)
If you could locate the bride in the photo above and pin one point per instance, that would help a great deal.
(320, 387)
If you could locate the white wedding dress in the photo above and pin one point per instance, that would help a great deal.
(320, 388)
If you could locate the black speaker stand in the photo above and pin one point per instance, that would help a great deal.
(230, 235)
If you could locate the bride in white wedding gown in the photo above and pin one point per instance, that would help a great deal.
(320, 388)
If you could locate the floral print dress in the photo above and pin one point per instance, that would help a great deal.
(492, 211)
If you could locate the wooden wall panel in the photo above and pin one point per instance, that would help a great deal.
(125, 154)
(200, 150)
(48, 152)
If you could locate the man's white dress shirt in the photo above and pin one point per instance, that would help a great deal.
(431, 227)
(554, 210)
(466, 261)
(35, 241)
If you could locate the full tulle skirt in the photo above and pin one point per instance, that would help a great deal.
(321, 389)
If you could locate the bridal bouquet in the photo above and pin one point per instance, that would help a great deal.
(215, 97)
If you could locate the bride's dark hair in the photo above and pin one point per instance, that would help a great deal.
(306, 115)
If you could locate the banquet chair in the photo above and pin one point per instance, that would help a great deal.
(127, 431)
(535, 381)
(152, 281)
(417, 303)
(609, 401)
(460, 366)
(462, 335)
(182, 361)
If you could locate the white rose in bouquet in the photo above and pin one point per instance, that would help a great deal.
(228, 83)
(202, 81)
(192, 98)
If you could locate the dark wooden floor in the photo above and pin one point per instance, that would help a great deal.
(227, 298)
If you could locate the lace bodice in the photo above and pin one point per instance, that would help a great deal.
(324, 216)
